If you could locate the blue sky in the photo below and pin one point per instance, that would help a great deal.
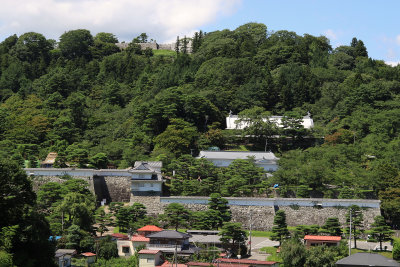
(374, 22)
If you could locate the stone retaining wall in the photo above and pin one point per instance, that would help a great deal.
(38, 181)
(262, 216)
(112, 188)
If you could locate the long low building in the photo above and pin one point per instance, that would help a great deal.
(232, 122)
(266, 160)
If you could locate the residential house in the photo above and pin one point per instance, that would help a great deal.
(148, 229)
(169, 241)
(367, 259)
(63, 257)
(205, 237)
(89, 257)
(149, 258)
(318, 240)
(266, 160)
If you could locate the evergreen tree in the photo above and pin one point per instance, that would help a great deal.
(357, 219)
(176, 215)
(220, 205)
(279, 230)
(293, 253)
(232, 235)
(332, 227)
(177, 45)
(381, 231)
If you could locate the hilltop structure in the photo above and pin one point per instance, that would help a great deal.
(232, 122)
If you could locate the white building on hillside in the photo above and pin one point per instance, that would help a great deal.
(266, 160)
(232, 122)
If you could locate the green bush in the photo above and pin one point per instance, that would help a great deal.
(396, 250)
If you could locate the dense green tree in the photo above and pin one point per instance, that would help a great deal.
(279, 230)
(232, 235)
(381, 231)
(176, 215)
(76, 43)
(220, 205)
(293, 253)
(99, 161)
(24, 232)
(242, 178)
(178, 137)
(332, 227)
(302, 230)
(107, 248)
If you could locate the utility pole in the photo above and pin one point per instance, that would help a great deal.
(250, 222)
(350, 235)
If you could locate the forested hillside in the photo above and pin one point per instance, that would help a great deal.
(96, 105)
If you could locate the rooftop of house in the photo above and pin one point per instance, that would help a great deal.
(258, 155)
(62, 252)
(169, 234)
(246, 261)
(148, 251)
(140, 238)
(194, 263)
(147, 164)
(120, 236)
(50, 159)
(168, 264)
(322, 238)
(150, 228)
(367, 259)
(88, 254)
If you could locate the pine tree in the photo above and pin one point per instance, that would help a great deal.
(332, 227)
(279, 230)
(184, 45)
(177, 45)
(356, 222)
(220, 205)
(381, 231)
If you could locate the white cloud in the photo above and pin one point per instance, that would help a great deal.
(331, 34)
(160, 19)
(392, 63)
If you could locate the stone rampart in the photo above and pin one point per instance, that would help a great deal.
(260, 212)
(112, 188)
(38, 181)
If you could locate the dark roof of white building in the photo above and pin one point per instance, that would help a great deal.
(169, 234)
(367, 259)
(258, 155)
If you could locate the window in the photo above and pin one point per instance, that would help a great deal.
(125, 249)
(150, 260)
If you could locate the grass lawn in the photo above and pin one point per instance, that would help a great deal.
(271, 250)
(163, 52)
(260, 233)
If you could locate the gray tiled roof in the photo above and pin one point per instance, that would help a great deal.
(259, 155)
(170, 234)
(367, 259)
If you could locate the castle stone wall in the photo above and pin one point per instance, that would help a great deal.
(38, 181)
(261, 214)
